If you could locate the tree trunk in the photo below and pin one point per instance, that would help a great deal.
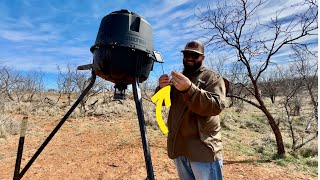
(69, 99)
(276, 131)
(273, 98)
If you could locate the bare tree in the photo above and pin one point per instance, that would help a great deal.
(26, 86)
(65, 81)
(291, 86)
(105, 87)
(34, 85)
(17, 86)
(306, 66)
(8, 79)
(72, 81)
(82, 80)
(231, 25)
(271, 83)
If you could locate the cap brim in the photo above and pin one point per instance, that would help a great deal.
(192, 50)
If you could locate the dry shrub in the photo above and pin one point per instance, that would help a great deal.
(227, 120)
(150, 114)
(115, 108)
(8, 126)
(49, 111)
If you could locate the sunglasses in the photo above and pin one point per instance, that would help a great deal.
(192, 55)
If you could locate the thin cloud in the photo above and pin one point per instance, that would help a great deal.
(18, 36)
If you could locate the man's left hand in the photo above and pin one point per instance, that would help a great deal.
(181, 82)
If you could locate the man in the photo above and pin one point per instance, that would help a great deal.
(197, 98)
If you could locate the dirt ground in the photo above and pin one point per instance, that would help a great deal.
(93, 148)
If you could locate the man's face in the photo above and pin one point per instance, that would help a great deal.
(192, 59)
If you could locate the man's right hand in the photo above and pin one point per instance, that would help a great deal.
(164, 80)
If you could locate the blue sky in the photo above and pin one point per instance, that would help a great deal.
(39, 35)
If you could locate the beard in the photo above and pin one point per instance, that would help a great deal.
(191, 68)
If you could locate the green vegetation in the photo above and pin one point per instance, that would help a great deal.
(249, 134)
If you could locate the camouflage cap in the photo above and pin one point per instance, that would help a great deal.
(194, 46)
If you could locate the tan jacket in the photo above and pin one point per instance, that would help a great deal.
(193, 121)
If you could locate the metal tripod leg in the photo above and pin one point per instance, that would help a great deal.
(34, 157)
(23, 127)
(147, 156)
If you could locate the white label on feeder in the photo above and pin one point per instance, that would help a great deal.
(158, 56)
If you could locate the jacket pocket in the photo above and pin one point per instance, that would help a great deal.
(208, 124)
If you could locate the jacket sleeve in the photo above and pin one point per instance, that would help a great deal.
(208, 100)
(156, 90)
